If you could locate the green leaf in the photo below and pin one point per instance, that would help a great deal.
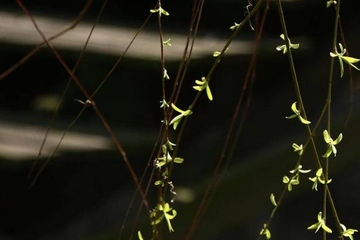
(292, 116)
(208, 93)
(331, 143)
(342, 49)
(282, 48)
(170, 144)
(235, 26)
(176, 120)
(326, 228)
(199, 82)
(320, 224)
(295, 45)
(160, 11)
(338, 139)
(272, 200)
(327, 137)
(286, 179)
(203, 84)
(178, 160)
(294, 108)
(334, 150)
(314, 226)
(164, 12)
(140, 236)
(176, 108)
(328, 152)
(350, 59)
(198, 88)
(166, 75)
(265, 231)
(157, 220)
(319, 172)
(333, 54)
(267, 234)
(164, 104)
(303, 120)
(341, 67)
(329, 3)
(341, 57)
(158, 182)
(216, 53)
(348, 232)
(167, 42)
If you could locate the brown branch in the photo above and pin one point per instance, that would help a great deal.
(87, 95)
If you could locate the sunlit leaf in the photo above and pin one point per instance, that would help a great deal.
(286, 179)
(265, 231)
(295, 45)
(235, 26)
(319, 172)
(303, 120)
(338, 139)
(350, 59)
(328, 152)
(164, 12)
(294, 108)
(326, 228)
(198, 82)
(178, 160)
(331, 2)
(292, 116)
(198, 88)
(216, 53)
(167, 42)
(326, 136)
(314, 226)
(348, 232)
(208, 93)
(272, 200)
(341, 67)
(159, 182)
(140, 236)
(176, 108)
(157, 220)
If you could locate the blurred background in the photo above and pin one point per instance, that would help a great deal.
(85, 190)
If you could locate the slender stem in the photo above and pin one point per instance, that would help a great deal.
(327, 192)
(88, 97)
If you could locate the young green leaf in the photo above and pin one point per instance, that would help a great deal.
(203, 84)
(272, 200)
(265, 231)
(283, 48)
(160, 11)
(176, 120)
(348, 232)
(341, 57)
(297, 114)
(298, 148)
(235, 26)
(331, 143)
(320, 224)
(167, 42)
(330, 2)
(140, 236)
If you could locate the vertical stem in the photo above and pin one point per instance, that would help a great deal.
(328, 100)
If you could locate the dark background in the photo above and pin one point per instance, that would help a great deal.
(85, 194)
